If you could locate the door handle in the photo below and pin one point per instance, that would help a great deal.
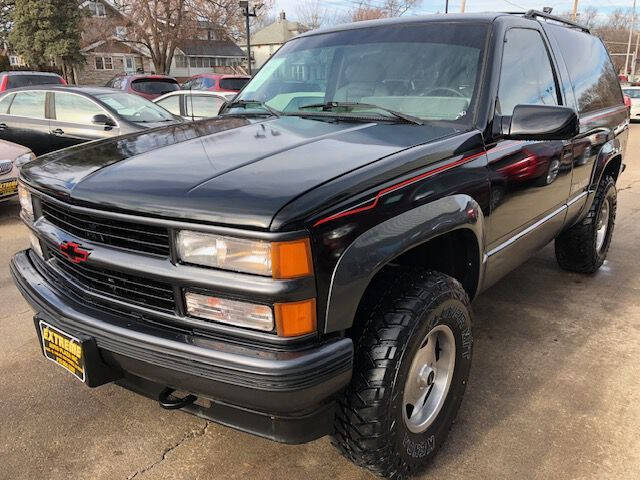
(58, 131)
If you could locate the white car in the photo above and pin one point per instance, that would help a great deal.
(634, 94)
(193, 104)
(12, 157)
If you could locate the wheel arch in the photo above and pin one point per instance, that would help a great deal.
(450, 222)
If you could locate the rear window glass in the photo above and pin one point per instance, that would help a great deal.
(631, 92)
(592, 73)
(235, 84)
(155, 86)
(16, 81)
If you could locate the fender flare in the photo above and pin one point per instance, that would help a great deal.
(607, 152)
(376, 247)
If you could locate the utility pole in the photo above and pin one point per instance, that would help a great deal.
(244, 5)
(635, 57)
(463, 5)
(574, 11)
(631, 27)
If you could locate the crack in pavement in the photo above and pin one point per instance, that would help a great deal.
(192, 434)
(628, 187)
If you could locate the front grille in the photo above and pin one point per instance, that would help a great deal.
(128, 288)
(6, 167)
(131, 236)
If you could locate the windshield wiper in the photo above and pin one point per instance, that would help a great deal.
(247, 103)
(328, 106)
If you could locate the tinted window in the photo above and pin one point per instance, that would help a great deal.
(75, 109)
(5, 102)
(593, 75)
(631, 92)
(203, 105)
(155, 86)
(22, 80)
(28, 104)
(171, 103)
(526, 76)
(235, 84)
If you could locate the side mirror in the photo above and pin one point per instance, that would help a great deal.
(539, 122)
(102, 119)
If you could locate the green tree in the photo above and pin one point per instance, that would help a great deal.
(46, 31)
(6, 7)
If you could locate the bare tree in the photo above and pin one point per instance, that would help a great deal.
(315, 14)
(367, 10)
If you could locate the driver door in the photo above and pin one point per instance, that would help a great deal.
(72, 121)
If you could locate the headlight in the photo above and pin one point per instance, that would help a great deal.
(25, 201)
(22, 159)
(277, 259)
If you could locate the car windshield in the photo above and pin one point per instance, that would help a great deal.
(134, 108)
(632, 92)
(429, 71)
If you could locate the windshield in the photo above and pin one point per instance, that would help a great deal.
(632, 92)
(429, 71)
(134, 108)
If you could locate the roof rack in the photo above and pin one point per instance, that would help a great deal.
(533, 14)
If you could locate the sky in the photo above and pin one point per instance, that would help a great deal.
(432, 6)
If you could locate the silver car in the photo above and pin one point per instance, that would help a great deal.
(12, 157)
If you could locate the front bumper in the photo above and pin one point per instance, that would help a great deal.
(285, 395)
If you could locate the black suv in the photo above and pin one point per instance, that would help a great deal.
(303, 264)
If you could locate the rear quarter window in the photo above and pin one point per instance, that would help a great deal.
(592, 73)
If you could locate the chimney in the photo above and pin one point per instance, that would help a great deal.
(283, 16)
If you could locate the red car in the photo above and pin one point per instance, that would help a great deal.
(215, 82)
(147, 86)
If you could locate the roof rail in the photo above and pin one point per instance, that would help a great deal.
(533, 14)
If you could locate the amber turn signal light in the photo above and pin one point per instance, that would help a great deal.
(291, 259)
(296, 318)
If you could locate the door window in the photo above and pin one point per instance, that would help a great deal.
(203, 105)
(526, 76)
(172, 104)
(28, 104)
(75, 109)
(4, 103)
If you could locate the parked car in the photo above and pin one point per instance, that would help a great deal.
(147, 86)
(12, 157)
(45, 119)
(216, 82)
(304, 263)
(634, 96)
(192, 105)
(9, 80)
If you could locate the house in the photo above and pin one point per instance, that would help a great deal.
(265, 42)
(14, 59)
(108, 53)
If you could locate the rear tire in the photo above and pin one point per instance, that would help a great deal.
(583, 248)
(413, 347)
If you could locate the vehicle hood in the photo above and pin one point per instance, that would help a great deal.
(229, 170)
(9, 150)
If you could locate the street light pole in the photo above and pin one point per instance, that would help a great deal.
(631, 27)
(244, 4)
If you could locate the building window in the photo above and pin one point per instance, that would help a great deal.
(104, 63)
(192, 62)
(97, 9)
(181, 61)
(121, 32)
(14, 60)
(129, 64)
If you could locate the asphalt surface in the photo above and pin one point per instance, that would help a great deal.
(554, 389)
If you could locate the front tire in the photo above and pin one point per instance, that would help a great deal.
(583, 248)
(412, 359)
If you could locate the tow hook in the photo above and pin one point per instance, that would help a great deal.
(166, 400)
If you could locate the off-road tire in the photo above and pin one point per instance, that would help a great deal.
(398, 310)
(576, 249)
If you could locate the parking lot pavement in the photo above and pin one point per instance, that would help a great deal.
(554, 389)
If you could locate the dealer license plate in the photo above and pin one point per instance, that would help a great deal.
(8, 188)
(63, 349)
